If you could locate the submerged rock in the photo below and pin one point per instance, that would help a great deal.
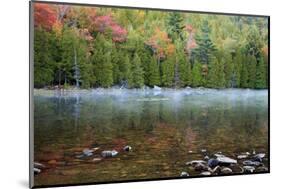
(206, 158)
(97, 159)
(201, 167)
(252, 163)
(259, 157)
(262, 169)
(226, 170)
(205, 173)
(242, 156)
(127, 148)
(213, 163)
(36, 170)
(184, 174)
(248, 169)
(195, 162)
(109, 153)
(226, 160)
(203, 150)
(88, 152)
(39, 165)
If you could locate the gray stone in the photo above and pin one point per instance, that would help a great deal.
(226, 160)
(36, 170)
(109, 153)
(201, 167)
(127, 148)
(252, 163)
(184, 174)
(242, 156)
(213, 162)
(195, 162)
(205, 173)
(226, 170)
(39, 165)
(248, 169)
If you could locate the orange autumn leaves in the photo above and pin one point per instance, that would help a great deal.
(161, 44)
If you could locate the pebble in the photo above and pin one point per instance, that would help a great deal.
(195, 162)
(109, 153)
(248, 169)
(242, 156)
(39, 165)
(226, 160)
(201, 167)
(262, 169)
(205, 173)
(252, 163)
(213, 163)
(127, 148)
(184, 174)
(203, 150)
(36, 170)
(226, 170)
(206, 158)
(97, 159)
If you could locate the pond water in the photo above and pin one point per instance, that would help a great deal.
(165, 128)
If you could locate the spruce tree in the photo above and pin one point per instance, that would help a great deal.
(196, 74)
(261, 75)
(154, 74)
(244, 82)
(237, 69)
(252, 71)
(168, 71)
(205, 47)
(136, 77)
(184, 70)
(228, 70)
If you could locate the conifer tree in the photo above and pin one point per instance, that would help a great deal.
(252, 71)
(196, 74)
(136, 79)
(154, 74)
(168, 71)
(261, 75)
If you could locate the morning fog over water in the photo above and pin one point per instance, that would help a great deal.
(165, 128)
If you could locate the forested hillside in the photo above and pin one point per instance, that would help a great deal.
(91, 47)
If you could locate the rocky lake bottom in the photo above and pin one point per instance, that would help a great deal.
(104, 135)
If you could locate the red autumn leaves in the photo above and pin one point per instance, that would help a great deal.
(48, 17)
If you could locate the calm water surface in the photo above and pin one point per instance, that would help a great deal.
(166, 128)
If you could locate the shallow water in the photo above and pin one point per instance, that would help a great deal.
(166, 128)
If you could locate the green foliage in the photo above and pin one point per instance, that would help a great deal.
(216, 77)
(168, 72)
(252, 71)
(136, 78)
(154, 74)
(43, 62)
(185, 75)
(132, 48)
(197, 74)
(205, 47)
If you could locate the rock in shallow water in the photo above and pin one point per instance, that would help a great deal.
(201, 167)
(226, 170)
(242, 156)
(195, 162)
(109, 153)
(252, 163)
(226, 160)
(36, 170)
(213, 163)
(184, 174)
(127, 148)
(205, 173)
(248, 169)
(39, 165)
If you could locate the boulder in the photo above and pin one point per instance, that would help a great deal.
(205, 173)
(127, 148)
(195, 162)
(213, 163)
(252, 163)
(226, 160)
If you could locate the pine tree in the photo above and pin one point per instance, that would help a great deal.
(136, 78)
(154, 74)
(43, 63)
(252, 71)
(175, 25)
(168, 71)
(196, 74)
(205, 47)
(244, 73)
(228, 70)
(237, 69)
(125, 71)
(185, 75)
(261, 75)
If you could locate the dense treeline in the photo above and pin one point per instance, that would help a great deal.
(103, 47)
